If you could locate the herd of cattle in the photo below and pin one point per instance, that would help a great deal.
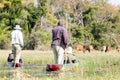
(90, 48)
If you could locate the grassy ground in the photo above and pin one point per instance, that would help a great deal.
(93, 66)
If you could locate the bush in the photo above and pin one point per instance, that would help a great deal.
(38, 38)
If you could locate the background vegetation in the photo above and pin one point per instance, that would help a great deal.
(88, 22)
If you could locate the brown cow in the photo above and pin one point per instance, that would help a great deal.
(88, 47)
(84, 48)
(118, 48)
(80, 48)
(107, 48)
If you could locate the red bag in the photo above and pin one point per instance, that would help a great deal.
(53, 67)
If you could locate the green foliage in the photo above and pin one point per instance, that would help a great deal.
(4, 37)
(78, 35)
(34, 14)
(51, 20)
(100, 23)
(88, 14)
(99, 31)
(43, 6)
(41, 37)
(13, 12)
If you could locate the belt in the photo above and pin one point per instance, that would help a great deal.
(16, 44)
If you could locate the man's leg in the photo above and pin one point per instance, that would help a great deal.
(58, 54)
(14, 52)
(60, 51)
(17, 56)
(55, 53)
(18, 53)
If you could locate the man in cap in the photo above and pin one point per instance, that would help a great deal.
(17, 44)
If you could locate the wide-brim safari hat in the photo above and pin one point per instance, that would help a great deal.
(17, 27)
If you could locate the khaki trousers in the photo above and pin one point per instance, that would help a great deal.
(16, 50)
(58, 54)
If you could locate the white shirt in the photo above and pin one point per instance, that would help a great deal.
(17, 37)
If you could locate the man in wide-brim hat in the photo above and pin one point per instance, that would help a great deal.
(17, 44)
(17, 27)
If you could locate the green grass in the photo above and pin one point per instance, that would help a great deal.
(93, 66)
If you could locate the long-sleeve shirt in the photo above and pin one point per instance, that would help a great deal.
(17, 37)
(59, 36)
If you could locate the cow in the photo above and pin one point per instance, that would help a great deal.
(88, 47)
(105, 48)
(118, 48)
(84, 48)
(80, 48)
